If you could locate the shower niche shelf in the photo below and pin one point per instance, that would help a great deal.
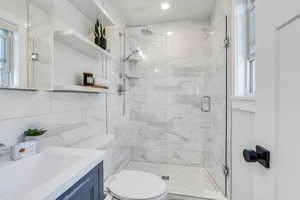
(81, 44)
(132, 77)
(93, 11)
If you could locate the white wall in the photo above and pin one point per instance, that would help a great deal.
(64, 18)
(243, 116)
(68, 117)
(242, 112)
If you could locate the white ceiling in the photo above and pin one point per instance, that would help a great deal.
(139, 12)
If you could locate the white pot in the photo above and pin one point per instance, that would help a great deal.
(39, 141)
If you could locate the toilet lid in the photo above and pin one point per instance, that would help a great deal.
(136, 185)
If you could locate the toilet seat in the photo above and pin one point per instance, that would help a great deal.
(136, 185)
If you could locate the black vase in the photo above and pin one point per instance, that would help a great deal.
(97, 41)
(103, 43)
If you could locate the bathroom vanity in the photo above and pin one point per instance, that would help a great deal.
(55, 173)
(90, 187)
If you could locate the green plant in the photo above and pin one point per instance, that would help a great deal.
(99, 31)
(35, 132)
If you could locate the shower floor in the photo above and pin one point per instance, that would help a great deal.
(184, 182)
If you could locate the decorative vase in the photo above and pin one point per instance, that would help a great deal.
(97, 41)
(39, 141)
(103, 43)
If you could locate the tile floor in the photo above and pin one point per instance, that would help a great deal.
(184, 183)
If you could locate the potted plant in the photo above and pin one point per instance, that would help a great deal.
(100, 34)
(37, 135)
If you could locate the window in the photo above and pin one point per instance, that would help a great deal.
(251, 58)
(245, 48)
(6, 38)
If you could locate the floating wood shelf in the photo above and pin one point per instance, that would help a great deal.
(99, 87)
(93, 10)
(81, 44)
(79, 89)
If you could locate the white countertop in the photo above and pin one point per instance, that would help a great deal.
(47, 175)
(101, 142)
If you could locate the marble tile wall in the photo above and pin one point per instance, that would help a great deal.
(68, 117)
(167, 125)
(61, 114)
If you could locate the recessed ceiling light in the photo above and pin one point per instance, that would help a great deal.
(170, 33)
(165, 6)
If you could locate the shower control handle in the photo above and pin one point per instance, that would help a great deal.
(260, 155)
(205, 104)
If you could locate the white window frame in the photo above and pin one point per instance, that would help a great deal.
(6, 78)
(244, 74)
(250, 68)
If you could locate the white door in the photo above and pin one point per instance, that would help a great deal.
(277, 125)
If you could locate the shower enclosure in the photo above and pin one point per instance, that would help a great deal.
(178, 98)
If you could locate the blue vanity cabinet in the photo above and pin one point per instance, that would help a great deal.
(90, 187)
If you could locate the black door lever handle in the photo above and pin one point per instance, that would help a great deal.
(261, 155)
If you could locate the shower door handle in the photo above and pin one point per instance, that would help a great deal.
(205, 104)
(260, 155)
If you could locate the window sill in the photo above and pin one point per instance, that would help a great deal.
(245, 103)
(243, 98)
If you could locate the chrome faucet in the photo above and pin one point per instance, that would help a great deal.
(2, 146)
(4, 149)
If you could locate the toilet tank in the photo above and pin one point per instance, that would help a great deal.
(101, 142)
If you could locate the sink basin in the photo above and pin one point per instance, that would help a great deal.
(47, 175)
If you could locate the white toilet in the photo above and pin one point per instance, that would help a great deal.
(126, 185)
(137, 185)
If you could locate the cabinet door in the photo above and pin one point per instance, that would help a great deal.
(88, 188)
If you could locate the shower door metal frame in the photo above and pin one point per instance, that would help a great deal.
(227, 90)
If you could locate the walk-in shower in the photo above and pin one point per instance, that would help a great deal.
(178, 105)
(175, 78)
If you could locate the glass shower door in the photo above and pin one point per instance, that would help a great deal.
(216, 86)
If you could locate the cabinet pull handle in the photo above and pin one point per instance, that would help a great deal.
(84, 183)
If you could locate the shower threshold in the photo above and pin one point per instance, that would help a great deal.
(184, 182)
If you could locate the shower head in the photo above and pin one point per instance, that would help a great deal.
(137, 54)
(146, 31)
